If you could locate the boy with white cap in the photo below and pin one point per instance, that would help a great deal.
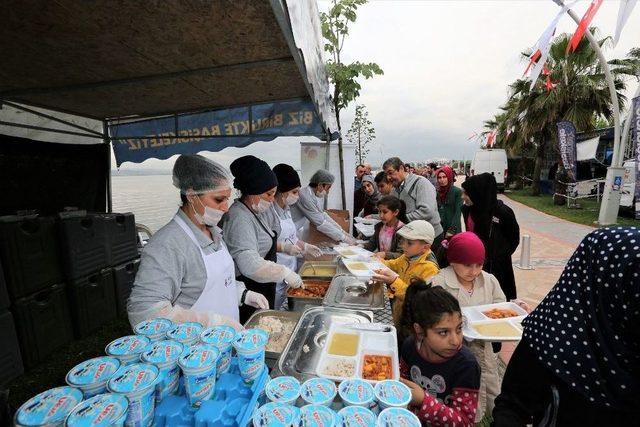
(416, 262)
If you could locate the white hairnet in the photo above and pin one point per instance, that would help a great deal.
(197, 174)
(322, 177)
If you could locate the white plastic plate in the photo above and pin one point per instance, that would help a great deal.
(475, 316)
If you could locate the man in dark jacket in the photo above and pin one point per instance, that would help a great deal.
(495, 224)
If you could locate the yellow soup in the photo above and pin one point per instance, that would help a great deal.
(318, 271)
(358, 266)
(501, 329)
(344, 344)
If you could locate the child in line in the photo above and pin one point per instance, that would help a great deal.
(385, 240)
(443, 375)
(416, 262)
(465, 280)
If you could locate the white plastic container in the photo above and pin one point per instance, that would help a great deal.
(164, 355)
(137, 382)
(91, 376)
(198, 365)
(49, 408)
(103, 410)
(127, 349)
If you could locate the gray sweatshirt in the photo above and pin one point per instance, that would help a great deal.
(420, 197)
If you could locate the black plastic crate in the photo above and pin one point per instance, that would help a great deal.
(4, 296)
(29, 254)
(84, 244)
(10, 358)
(43, 324)
(121, 237)
(124, 275)
(92, 302)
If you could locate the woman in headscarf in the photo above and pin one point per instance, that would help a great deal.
(579, 359)
(449, 201)
(495, 224)
(370, 197)
(252, 238)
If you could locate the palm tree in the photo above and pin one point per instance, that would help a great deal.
(578, 93)
(629, 66)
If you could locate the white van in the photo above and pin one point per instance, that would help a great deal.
(493, 161)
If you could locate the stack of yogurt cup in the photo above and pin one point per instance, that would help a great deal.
(318, 402)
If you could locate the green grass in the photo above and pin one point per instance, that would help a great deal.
(587, 213)
(52, 373)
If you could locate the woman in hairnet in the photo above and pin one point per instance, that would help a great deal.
(309, 208)
(252, 237)
(186, 272)
(280, 213)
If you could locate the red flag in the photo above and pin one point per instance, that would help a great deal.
(583, 25)
(491, 139)
(532, 59)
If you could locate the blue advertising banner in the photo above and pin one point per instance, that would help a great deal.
(164, 137)
(567, 147)
(635, 139)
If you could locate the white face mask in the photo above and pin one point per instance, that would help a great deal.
(321, 193)
(210, 217)
(291, 199)
(261, 206)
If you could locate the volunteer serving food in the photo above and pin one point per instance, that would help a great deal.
(252, 237)
(186, 271)
(289, 246)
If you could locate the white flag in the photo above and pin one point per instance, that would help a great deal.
(626, 7)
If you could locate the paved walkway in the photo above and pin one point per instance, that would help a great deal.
(553, 241)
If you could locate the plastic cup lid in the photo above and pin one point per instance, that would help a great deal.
(126, 346)
(318, 390)
(133, 378)
(393, 393)
(274, 415)
(356, 391)
(251, 339)
(185, 331)
(317, 416)
(93, 371)
(101, 410)
(283, 389)
(218, 335)
(155, 326)
(357, 416)
(48, 407)
(398, 417)
(200, 356)
(161, 352)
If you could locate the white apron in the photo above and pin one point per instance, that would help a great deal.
(219, 293)
(287, 234)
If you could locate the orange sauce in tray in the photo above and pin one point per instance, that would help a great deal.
(500, 313)
(377, 368)
(312, 289)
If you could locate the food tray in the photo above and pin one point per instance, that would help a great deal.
(376, 339)
(318, 270)
(354, 252)
(300, 358)
(367, 221)
(232, 404)
(363, 269)
(299, 302)
(347, 291)
(284, 316)
(475, 317)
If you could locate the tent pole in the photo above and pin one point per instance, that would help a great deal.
(105, 137)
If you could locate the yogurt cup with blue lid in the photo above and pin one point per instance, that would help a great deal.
(165, 354)
(198, 364)
(154, 329)
(137, 382)
(318, 391)
(103, 410)
(251, 340)
(91, 376)
(275, 415)
(250, 346)
(49, 408)
(399, 417)
(392, 394)
(127, 349)
(357, 392)
(317, 416)
(283, 389)
(357, 416)
(187, 333)
(223, 338)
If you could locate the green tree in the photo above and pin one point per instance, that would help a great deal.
(343, 77)
(578, 93)
(629, 66)
(361, 133)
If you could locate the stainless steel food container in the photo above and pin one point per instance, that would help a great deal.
(271, 357)
(349, 292)
(298, 303)
(307, 270)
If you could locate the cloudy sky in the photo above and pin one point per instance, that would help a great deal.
(447, 65)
